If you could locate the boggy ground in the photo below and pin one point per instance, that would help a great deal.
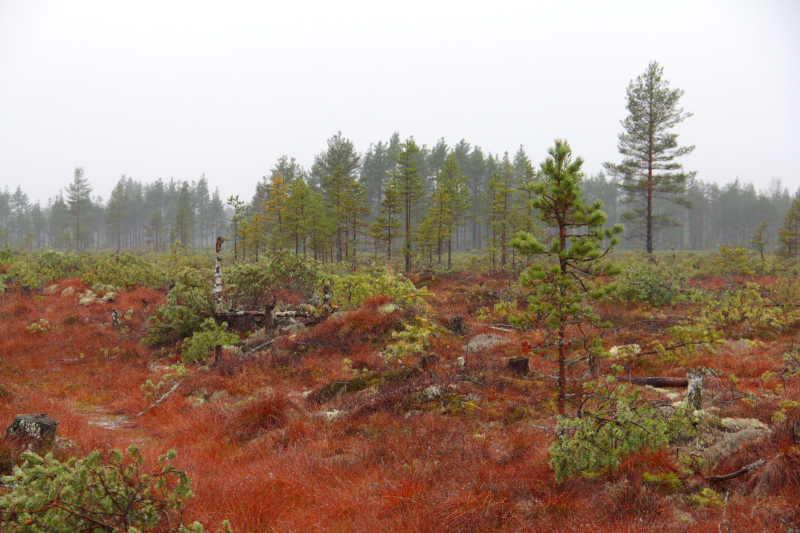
(318, 433)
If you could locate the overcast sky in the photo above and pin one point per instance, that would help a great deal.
(180, 89)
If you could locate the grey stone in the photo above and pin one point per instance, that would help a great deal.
(37, 431)
(484, 341)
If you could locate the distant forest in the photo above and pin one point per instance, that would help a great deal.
(458, 198)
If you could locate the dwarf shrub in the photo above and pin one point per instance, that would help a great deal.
(613, 423)
(181, 316)
(201, 345)
(101, 492)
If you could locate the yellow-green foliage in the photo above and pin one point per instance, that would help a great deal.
(614, 423)
(351, 289)
(101, 492)
(412, 341)
(656, 279)
(201, 345)
(732, 262)
(743, 309)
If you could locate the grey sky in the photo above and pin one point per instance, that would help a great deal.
(180, 89)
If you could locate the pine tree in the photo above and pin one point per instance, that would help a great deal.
(564, 292)
(297, 209)
(758, 240)
(649, 172)
(455, 187)
(184, 216)
(321, 226)
(341, 152)
(19, 210)
(79, 201)
(239, 213)
(388, 222)
(410, 189)
(789, 234)
(274, 206)
(355, 210)
(498, 203)
(117, 209)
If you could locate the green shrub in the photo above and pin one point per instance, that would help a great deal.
(201, 345)
(97, 493)
(657, 280)
(181, 316)
(125, 270)
(614, 423)
(744, 311)
(351, 289)
(250, 285)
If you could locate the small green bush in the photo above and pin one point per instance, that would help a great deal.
(201, 345)
(250, 285)
(181, 316)
(656, 280)
(614, 423)
(352, 289)
(101, 492)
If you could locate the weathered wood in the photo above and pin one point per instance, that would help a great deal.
(694, 392)
(37, 432)
(658, 381)
(217, 291)
(269, 315)
(326, 299)
(749, 468)
(427, 362)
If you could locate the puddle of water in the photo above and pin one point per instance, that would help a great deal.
(110, 422)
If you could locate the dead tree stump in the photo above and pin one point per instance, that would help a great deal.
(35, 432)
(427, 362)
(519, 365)
(694, 392)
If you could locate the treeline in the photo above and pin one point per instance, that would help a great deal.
(396, 200)
(136, 216)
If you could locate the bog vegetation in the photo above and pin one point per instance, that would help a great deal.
(497, 361)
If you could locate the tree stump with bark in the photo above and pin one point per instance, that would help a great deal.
(519, 365)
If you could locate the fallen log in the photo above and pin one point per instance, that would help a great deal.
(741, 472)
(659, 382)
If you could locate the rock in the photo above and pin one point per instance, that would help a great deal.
(624, 351)
(434, 391)
(37, 432)
(388, 308)
(295, 328)
(740, 346)
(484, 341)
(739, 424)
(69, 291)
(731, 443)
(307, 309)
(87, 298)
(327, 415)
(52, 289)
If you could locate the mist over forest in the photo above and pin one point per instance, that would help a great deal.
(149, 216)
